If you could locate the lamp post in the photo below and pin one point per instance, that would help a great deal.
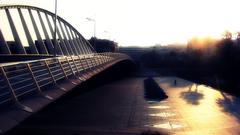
(93, 20)
(107, 33)
(55, 30)
(94, 32)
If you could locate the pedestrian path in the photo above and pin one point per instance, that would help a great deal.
(120, 108)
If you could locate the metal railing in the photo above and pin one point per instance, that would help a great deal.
(24, 79)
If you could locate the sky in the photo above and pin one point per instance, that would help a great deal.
(146, 22)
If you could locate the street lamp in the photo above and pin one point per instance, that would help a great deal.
(94, 32)
(55, 30)
(108, 34)
(93, 20)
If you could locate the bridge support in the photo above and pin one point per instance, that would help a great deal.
(19, 46)
(32, 46)
(3, 45)
(42, 47)
(58, 48)
(48, 41)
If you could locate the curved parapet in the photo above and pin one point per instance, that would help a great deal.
(30, 30)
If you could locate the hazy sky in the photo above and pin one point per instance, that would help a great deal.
(146, 22)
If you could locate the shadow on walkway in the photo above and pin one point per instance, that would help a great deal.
(152, 90)
(192, 96)
(230, 105)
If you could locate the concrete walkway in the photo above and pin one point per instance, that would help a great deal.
(120, 108)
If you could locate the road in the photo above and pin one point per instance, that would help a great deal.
(120, 108)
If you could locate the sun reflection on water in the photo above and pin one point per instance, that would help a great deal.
(203, 111)
(168, 125)
(159, 107)
(162, 114)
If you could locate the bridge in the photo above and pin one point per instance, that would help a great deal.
(35, 69)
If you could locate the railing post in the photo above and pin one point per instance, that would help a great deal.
(92, 64)
(83, 69)
(72, 69)
(62, 69)
(70, 66)
(51, 75)
(75, 64)
(64, 72)
(98, 66)
(92, 61)
(89, 66)
(36, 83)
(77, 69)
(13, 95)
(104, 59)
(109, 57)
(99, 57)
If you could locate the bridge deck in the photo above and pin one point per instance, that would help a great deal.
(120, 108)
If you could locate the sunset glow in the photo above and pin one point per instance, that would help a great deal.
(146, 22)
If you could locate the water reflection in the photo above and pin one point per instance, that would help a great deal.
(168, 125)
(163, 114)
(159, 107)
(207, 111)
(155, 102)
(171, 82)
(192, 96)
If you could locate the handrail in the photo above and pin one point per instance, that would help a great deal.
(22, 79)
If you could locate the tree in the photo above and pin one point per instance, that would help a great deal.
(227, 35)
(103, 45)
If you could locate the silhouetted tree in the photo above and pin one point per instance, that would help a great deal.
(227, 35)
(103, 45)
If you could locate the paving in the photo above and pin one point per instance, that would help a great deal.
(120, 108)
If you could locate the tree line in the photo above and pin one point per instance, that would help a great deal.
(215, 62)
